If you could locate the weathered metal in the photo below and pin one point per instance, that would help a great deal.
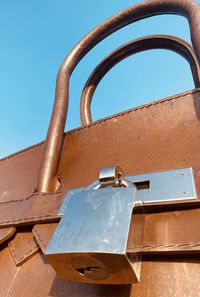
(47, 180)
(163, 135)
(172, 43)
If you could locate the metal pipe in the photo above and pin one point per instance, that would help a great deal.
(47, 179)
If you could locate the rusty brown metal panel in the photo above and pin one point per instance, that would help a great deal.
(23, 247)
(47, 180)
(155, 142)
(18, 174)
(169, 278)
(6, 233)
(165, 233)
(172, 277)
(8, 271)
(158, 136)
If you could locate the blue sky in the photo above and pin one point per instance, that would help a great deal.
(35, 38)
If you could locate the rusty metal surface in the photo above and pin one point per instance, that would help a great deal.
(28, 210)
(8, 271)
(158, 136)
(19, 174)
(141, 44)
(166, 278)
(6, 233)
(47, 180)
(169, 141)
(22, 247)
(164, 233)
(43, 234)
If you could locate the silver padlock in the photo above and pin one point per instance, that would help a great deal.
(90, 242)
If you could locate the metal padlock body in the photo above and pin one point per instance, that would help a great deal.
(89, 244)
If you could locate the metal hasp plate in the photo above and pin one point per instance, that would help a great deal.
(165, 187)
(157, 188)
(90, 242)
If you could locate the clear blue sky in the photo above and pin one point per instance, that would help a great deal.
(35, 38)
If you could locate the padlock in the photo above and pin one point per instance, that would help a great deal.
(90, 242)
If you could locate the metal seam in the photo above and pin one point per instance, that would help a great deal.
(169, 246)
(31, 196)
(135, 247)
(79, 129)
(6, 233)
(39, 237)
(52, 216)
(17, 260)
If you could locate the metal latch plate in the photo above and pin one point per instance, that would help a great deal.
(157, 188)
(175, 186)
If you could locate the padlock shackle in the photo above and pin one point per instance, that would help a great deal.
(47, 179)
(135, 46)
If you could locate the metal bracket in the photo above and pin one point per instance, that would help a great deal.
(157, 188)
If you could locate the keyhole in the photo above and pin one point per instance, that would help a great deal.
(89, 269)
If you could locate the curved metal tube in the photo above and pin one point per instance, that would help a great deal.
(141, 44)
(47, 179)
